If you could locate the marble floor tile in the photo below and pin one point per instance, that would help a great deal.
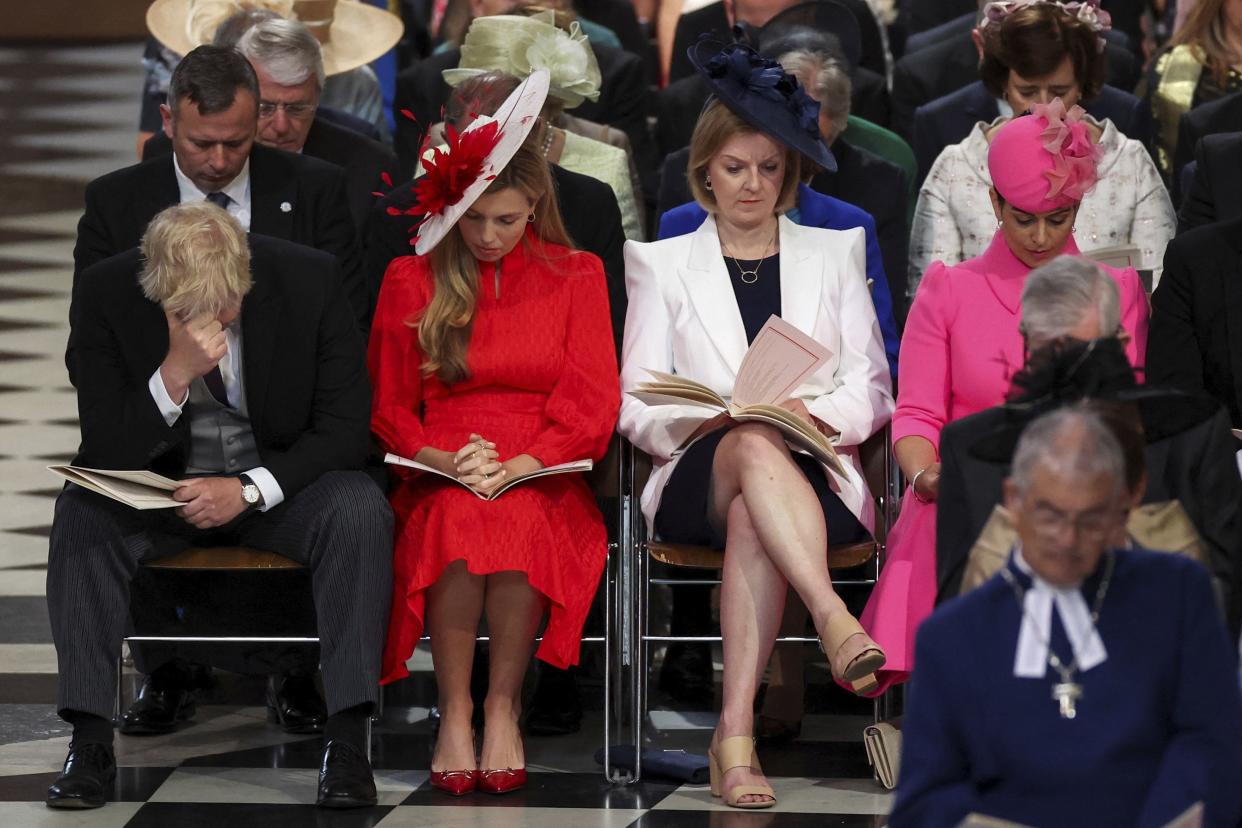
(465, 816)
(38, 815)
(27, 658)
(179, 815)
(768, 818)
(277, 786)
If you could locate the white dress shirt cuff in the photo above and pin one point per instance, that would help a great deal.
(170, 409)
(273, 495)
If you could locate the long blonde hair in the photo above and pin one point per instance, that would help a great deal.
(445, 325)
(1204, 31)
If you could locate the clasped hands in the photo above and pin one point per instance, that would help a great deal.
(477, 464)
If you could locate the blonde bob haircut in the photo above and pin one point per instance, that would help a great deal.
(717, 125)
(196, 260)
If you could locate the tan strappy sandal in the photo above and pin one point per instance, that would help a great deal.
(737, 752)
(854, 657)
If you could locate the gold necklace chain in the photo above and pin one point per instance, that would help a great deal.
(754, 274)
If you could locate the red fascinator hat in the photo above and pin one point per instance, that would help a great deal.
(1044, 161)
(457, 174)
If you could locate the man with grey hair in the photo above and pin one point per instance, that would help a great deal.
(233, 365)
(1082, 684)
(1070, 321)
(288, 62)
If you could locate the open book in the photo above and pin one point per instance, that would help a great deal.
(561, 468)
(778, 361)
(139, 489)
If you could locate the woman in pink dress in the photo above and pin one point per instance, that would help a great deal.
(962, 345)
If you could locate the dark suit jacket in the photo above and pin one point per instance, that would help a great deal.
(678, 106)
(1215, 191)
(712, 18)
(622, 103)
(588, 207)
(1196, 467)
(1195, 341)
(307, 390)
(947, 30)
(951, 64)
(1221, 115)
(948, 120)
(619, 17)
(120, 204)
(363, 160)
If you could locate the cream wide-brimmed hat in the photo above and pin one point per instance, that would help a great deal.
(350, 33)
(518, 45)
(481, 150)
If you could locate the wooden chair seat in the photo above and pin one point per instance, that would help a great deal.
(224, 557)
(703, 557)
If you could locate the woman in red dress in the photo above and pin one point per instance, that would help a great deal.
(492, 356)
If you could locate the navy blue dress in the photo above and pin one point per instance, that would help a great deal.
(683, 512)
(1159, 725)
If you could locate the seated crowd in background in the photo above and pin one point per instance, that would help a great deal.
(920, 187)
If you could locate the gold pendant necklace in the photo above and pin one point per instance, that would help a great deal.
(753, 274)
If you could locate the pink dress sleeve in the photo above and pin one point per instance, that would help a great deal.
(1135, 313)
(924, 372)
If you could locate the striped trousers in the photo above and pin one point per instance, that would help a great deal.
(340, 527)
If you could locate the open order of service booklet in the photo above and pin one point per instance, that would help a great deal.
(546, 471)
(139, 489)
(778, 361)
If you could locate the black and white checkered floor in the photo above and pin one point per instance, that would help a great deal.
(68, 115)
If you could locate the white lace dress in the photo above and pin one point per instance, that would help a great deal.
(953, 220)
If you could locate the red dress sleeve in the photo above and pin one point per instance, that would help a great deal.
(584, 402)
(394, 359)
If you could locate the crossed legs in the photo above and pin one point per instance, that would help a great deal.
(455, 604)
(775, 539)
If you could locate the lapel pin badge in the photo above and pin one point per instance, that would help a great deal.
(286, 207)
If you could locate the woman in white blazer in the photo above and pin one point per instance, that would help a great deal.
(695, 303)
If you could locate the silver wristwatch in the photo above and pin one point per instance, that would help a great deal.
(250, 492)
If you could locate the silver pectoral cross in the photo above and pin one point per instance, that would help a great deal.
(1067, 694)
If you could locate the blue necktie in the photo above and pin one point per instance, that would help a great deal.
(219, 199)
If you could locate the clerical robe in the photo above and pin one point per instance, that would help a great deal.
(1158, 724)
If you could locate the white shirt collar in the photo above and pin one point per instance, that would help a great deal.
(1003, 107)
(1031, 658)
(238, 189)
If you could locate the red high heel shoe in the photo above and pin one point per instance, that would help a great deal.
(456, 782)
(501, 781)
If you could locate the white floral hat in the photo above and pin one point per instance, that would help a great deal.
(517, 45)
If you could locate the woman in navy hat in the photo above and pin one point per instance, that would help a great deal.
(696, 302)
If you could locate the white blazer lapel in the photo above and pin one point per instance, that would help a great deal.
(711, 293)
(802, 277)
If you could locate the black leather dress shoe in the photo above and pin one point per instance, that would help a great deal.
(687, 674)
(163, 701)
(294, 702)
(345, 779)
(555, 709)
(86, 779)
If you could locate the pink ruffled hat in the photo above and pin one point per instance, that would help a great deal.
(1044, 161)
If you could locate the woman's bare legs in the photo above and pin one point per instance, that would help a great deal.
(776, 539)
(783, 701)
(752, 595)
(454, 606)
(753, 461)
(513, 609)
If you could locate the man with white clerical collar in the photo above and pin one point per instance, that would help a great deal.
(1084, 684)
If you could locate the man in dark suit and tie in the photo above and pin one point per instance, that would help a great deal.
(235, 365)
(212, 118)
(289, 64)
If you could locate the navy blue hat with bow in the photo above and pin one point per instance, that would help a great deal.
(764, 95)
